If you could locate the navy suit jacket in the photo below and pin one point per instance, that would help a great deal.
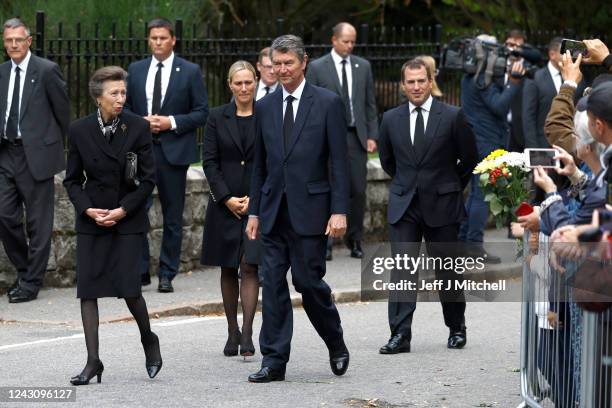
(186, 99)
(440, 175)
(313, 173)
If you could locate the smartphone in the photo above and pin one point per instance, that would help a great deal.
(542, 157)
(523, 210)
(574, 47)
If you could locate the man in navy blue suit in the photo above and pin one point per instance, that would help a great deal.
(299, 194)
(169, 92)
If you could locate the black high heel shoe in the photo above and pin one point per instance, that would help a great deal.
(247, 349)
(153, 364)
(231, 345)
(83, 380)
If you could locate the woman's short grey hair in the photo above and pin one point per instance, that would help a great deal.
(581, 127)
(16, 23)
(102, 75)
(287, 43)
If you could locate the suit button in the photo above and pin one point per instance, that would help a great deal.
(242, 163)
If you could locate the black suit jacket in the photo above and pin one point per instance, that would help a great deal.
(440, 175)
(322, 72)
(538, 94)
(95, 173)
(185, 99)
(313, 173)
(44, 115)
(517, 138)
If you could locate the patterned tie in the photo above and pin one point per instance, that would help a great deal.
(156, 105)
(13, 119)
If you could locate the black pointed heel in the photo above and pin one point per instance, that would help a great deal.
(247, 349)
(153, 364)
(81, 379)
(231, 345)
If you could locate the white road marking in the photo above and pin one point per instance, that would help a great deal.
(52, 340)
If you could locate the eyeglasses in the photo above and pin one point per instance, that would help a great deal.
(15, 41)
(266, 66)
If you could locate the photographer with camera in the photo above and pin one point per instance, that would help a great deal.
(514, 42)
(486, 102)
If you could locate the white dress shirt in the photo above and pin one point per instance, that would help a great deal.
(166, 71)
(349, 78)
(23, 66)
(555, 74)
(425, 108)
(297, 94)
(261, 89)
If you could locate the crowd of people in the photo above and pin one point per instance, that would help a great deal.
(286, 163)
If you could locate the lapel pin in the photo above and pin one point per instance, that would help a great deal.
(33, 80)
(178, 69)
(123, 127)
(356, 65)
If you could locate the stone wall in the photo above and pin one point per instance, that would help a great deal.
(61, 267)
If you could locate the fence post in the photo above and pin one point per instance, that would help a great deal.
(178, 33)
(40, 33)
(438, 38)
(280, 26)
(363, 34)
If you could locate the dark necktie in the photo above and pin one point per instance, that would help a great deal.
(345, 95)
(13, 119)
(156, 105)
(267, 89)
(419, 132)
(288, 123)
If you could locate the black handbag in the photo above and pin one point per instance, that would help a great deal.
(131, 170)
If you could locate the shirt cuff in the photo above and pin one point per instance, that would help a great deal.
(571, 83)
(253, 216)
(577, 177)
(172, 123)
(551, 199)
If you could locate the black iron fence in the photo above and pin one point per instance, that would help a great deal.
(79, 52)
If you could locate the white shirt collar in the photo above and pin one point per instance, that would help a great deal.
(338, 59)
(426, 106)
(554, 72)
(23, 65)
(297, 94)
(167, 62)
(262, 86)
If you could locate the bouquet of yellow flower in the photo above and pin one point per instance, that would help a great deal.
(502, 180)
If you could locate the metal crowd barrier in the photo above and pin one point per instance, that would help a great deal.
(567, 363)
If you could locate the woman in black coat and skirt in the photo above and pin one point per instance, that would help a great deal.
(229, 146)
(111, 214)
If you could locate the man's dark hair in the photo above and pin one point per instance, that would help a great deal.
(516, 33)
(289, 43)
(555, 44)
(416, 63)
(263, 53)
(160, 23)
(599, 102)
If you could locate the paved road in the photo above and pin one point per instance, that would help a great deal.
(196, 374)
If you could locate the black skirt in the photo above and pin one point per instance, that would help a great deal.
(108, 265)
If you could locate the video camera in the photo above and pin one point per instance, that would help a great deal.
(474, 56)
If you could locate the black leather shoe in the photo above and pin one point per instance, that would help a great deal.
(82, 379)
(356, 251)
(328, 255)
(398, 343)
(145, 279)
(457, 339)
(339, 363)
(153, 364)
(165, 285)
(14, 286)
(21, 295)
(267, 374)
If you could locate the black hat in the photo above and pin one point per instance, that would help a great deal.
(599, 102)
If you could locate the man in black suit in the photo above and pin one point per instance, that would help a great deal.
(516, 142)
(168, 91)
(267, 77)
(35, 116)
(299, 194)
(429, 150)
(351, 77)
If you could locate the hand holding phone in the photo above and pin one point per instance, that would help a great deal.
(574, 47)
(542, 157)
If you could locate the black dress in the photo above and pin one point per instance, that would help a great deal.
(229, 144)
(108, 258)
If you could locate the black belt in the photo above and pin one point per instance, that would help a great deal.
(16, 142)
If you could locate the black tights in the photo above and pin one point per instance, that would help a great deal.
(248, 291)
(89, 315)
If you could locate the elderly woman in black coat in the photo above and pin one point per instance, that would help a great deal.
(229, 145)
(111, 214)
